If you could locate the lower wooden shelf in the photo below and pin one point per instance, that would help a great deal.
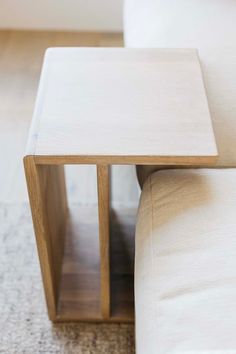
(79, 295)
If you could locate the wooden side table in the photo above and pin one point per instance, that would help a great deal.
(104, 107)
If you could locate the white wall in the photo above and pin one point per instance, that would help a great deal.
(82, 185)
(85, 15)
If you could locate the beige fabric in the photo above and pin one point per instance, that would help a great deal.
(209, 26)
(143, 172)
(185, 266)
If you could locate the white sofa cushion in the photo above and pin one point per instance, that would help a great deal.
(210, 26)
(185, 263)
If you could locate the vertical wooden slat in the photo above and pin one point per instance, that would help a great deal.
(104, 237)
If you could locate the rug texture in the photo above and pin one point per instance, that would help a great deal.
(24, 325)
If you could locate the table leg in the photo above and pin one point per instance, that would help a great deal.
(104, 237)
(46, 187)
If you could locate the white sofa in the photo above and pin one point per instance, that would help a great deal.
(185, 267)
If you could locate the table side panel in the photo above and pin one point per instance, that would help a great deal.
(46, 187)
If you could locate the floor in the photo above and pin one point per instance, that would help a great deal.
(21, 55)
(24, 325)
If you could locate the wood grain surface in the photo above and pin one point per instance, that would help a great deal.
(103, 185)
(108, 105)
(80, 292)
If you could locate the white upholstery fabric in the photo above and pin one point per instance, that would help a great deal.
(210, 26)
(185, 271)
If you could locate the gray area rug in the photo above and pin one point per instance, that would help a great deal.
(24, 326)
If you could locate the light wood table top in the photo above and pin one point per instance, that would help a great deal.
(117, 106)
